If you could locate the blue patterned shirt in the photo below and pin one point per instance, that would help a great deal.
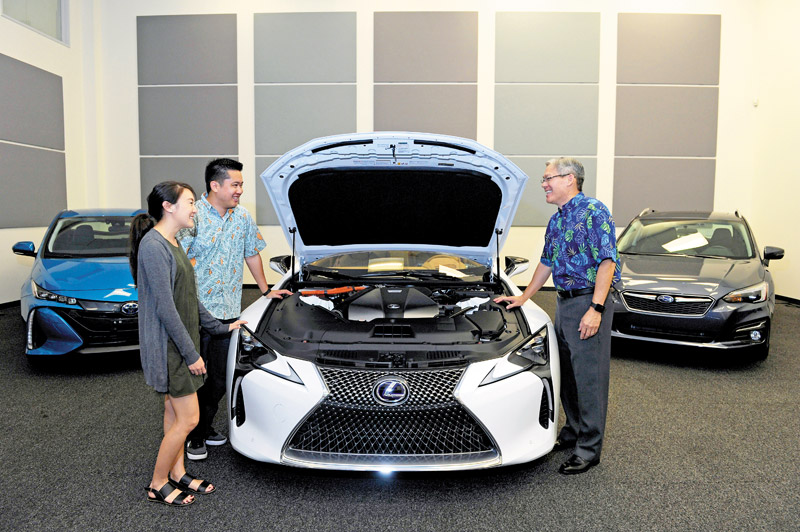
(579, 236)
(217, 247)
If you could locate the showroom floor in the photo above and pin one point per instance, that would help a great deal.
(692, 443)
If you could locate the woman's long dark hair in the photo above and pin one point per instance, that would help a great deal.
(168, 191)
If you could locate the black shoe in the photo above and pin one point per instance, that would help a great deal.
(576, 465)
(214, 438)
(196, 450)
(562, 445)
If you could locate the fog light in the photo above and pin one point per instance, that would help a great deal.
(755, 336)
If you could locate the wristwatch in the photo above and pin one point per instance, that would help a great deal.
(598, 307)
(265, 292)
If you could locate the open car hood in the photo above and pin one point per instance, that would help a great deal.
(394, 190)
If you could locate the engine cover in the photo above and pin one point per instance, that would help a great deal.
(392, 302)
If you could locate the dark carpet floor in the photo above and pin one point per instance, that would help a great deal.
(694, 442)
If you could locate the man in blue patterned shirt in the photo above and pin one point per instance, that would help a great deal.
(580, 252)
(224, 238)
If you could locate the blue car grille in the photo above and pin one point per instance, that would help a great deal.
(102, 328)
(350, 425)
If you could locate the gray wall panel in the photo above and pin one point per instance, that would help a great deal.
(546, 119)
(668, 48)
(189, 170)
(287, 116)
(533, 210)
(305, 47)
(186, 49)
(547, 47)
(426, 47)
(42, 172)
(663, 184)
(447, 109)
(265, 213)
(188, 121)
(667, 121)
(31, 105)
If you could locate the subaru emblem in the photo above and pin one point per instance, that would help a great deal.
(390, 391)
(130, 308)
(665, 299)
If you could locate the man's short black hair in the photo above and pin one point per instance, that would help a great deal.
(217, 170)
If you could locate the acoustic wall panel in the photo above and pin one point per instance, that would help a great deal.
(662, 184)
(265, 213)
(190, 170)
(426, 47)
(31, 169)
(197, 120)
(186, 49)
(305, 47)
(447, 109)
(547, 47)
(287, 116)
(674, 121)
(533, 210)
(673, 49)
(546, 119)
(31, 105)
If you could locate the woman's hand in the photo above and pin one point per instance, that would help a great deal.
(236, 324)
(198, 368)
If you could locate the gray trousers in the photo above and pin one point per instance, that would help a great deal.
(584, 375)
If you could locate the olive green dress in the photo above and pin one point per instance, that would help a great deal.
(181, 381)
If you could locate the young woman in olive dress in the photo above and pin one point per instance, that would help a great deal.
(170, 317)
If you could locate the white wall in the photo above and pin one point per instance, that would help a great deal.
(100, 79)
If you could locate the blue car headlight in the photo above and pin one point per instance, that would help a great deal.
(259, 356)
(752, 294)
(41, 293)
(534, 351)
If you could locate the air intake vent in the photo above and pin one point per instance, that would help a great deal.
(392, 331)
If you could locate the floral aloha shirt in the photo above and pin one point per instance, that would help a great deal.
(217, 247)
(579, 236)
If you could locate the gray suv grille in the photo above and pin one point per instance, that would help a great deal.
(351, 427)
(679, 306)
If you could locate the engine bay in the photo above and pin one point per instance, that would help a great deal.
(392, 325)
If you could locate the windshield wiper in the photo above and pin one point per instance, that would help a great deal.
(330, 274)
(419, 274)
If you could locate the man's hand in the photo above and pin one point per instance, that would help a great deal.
(590, 323)
(513, 301)
(198, 368)
(278, 294)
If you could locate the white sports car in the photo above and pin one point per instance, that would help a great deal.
(391, 354)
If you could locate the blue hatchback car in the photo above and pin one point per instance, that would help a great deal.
(80, 297)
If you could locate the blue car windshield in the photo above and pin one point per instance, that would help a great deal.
(89, 236)
(708, 238)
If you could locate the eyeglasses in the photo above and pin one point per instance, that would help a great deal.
(549, 177)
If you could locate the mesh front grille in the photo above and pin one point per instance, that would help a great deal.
(680, 306)
(350, 426)
(102, 328)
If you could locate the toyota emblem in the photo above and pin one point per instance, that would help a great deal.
(130, 308)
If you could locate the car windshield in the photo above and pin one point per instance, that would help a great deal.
(708, 238)
(89, 236)
(414, 264)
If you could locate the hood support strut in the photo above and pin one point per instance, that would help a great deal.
(498, 231)
(293, 231)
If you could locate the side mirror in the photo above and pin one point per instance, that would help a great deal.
(281, 263)
(772, 253)
(28, 249)
(516, 265)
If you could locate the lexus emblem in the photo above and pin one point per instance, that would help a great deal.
(390, 391)
(130, 308)
(665, 299)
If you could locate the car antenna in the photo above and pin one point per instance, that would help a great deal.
(498, 231)
(293, 232)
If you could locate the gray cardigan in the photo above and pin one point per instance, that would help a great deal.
(158, 317)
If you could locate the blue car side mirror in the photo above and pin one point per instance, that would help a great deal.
(24, 248)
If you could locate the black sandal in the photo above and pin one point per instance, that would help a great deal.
(160, 495)
(183, 484)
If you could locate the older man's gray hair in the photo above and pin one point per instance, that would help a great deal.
(568, 165)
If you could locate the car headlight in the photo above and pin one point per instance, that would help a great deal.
(752, 294)
(258, 355)
(534, 351)
(41, 293)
